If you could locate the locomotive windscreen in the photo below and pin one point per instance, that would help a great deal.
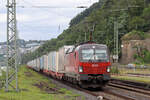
(94, 53)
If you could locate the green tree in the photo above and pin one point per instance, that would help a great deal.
(136, 23)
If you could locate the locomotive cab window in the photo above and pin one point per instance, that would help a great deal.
(100, 54)
(87, 54)
(93, 54)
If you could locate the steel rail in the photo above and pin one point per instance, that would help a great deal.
(130, 89)
(98, 95)
(132, 84)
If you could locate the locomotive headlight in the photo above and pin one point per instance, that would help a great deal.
(108, 69)
(80, 69)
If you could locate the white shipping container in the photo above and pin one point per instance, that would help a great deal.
(54, 60)
(30, 63)
(33, 64)
(45, 62)
(50, 61)
(61, 58)
(41, 62)
(38, 64)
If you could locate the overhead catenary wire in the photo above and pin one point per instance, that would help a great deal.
(31, 5)
(37, 6)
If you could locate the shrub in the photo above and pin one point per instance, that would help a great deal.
(115, 70)
(144, 57)
(134, 35)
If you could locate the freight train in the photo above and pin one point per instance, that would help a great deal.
(87, 64)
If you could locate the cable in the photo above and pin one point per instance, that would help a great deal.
(30, 5)
(47, 7)
(39, 6)
(51, 7)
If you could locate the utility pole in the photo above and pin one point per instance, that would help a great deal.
(12, 58)
(116, 54)
(116, 33)
(85, 37)
(116, 36)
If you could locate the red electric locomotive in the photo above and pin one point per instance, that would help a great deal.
(88, 65)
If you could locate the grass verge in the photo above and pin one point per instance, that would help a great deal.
(136, 79)
(34, 86)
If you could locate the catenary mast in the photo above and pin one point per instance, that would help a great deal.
(12, 58)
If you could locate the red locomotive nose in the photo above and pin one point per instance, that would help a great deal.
(95, 68)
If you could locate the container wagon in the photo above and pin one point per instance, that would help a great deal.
(87, 64)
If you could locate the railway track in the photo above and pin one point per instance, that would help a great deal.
(138, 75)
(142, 90)
(145, 92)
(133, 84)
(100, 94)
(107, 93)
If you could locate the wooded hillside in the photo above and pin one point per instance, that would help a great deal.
(130, 15)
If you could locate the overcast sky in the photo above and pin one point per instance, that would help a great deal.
(42, 23)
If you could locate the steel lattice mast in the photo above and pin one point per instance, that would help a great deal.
(12, 62)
